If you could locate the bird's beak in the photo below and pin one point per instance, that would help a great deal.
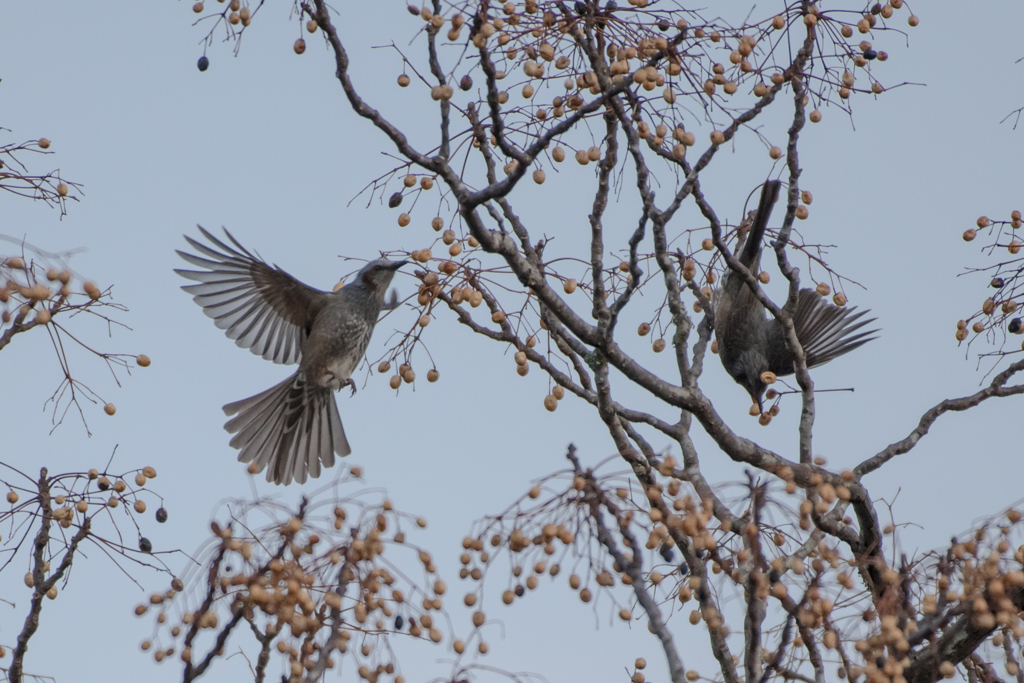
(398, 264)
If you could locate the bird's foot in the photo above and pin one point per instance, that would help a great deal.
(348, 383)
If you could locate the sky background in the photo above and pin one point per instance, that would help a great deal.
(265, 145)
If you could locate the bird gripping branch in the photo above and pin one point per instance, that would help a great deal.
(750, 343)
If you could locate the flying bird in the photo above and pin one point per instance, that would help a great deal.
(750, 342)
(293, 429)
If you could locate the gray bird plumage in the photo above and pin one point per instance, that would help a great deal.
(750, 342)
(293, 429)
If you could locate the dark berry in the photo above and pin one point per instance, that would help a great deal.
(997, 283)
(203, 63)
(1016, 327)
(520, 591)
(103, 485)
(395, 200)
(399, 621)
(663, 25)
(145, 545)
(161, 515)
(870, 54)
(666, 553)
(466, 83)
(774, 576)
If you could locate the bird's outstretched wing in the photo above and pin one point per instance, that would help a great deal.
(826, 331)
(261, 307)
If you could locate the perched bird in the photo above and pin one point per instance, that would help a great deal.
(293, 429)
(751, 342)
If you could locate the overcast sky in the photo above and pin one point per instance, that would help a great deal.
(265, 145)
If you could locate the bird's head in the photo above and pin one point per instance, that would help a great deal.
(376, 275)
(751, 381)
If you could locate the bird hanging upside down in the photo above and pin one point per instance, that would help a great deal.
(751, 343)
(293, 429)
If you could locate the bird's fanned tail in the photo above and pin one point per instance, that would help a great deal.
(826, 331)
(293, 429)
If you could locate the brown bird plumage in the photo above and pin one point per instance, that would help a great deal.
(293, 429)
(750, 342)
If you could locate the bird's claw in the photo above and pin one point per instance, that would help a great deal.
(349, 383)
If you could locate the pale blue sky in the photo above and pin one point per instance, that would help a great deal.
(265, 145)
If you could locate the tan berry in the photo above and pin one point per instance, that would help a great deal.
(142, 360)
(569, 286)
(775, 152)
(109, 409)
